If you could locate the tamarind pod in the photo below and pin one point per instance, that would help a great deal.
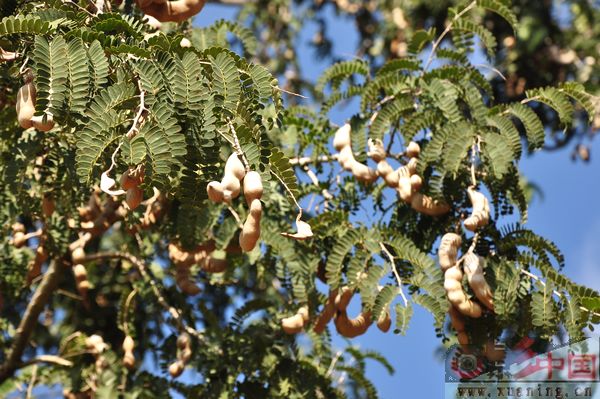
(182, 279)
(25, 105)
(293, 324)
(411, 166)
(342, 299)
(174, 11)
(185, 42)
(341, 138)
(134, 197)
(19, 239)
(385, 170)
(363, 173)
(251, 229)
(405, 189)
(303, 311)
(428, 206)
(384, 322)
(48, 206)
(131, 178)
(214, 265)
(185, 355)
(152, 22)
(480, 215)
(413, 150)
(231, 187)
(415, 183)
(43, 123)
(456, 319)
(456, 296)
(176, 368)
(346, 158)
(128, 344)
(253, 187)
(79, 272)
(78, 255)
(214, 189)
(492, 353)
(351, 328)
(183, 341)
(474, 271)
(129, 360)
(448, 250)
(376, 150)
(463, 338)
(235, 167)
(325, 317)
(18, 227)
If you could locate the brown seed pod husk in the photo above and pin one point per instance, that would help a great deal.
(128, 343)
(214, 189)
(253, 187)
(25, 105)
(78, 255)
(172, 11)
(43, 123)
(384, 322)
(448, 250)
(341, 138)
(134, 197)
(473, 266)
(428, 206)
(251, 230)
(293, 324)
(351, 328)
(456, 295)
(176, 368)
(129, 360)
(413, 150)
(235, 167)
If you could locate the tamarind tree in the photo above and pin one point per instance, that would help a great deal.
(169, 205)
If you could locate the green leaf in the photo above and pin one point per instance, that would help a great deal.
(383, 300)
(555, 99)
(78, 76)
(98, 65)
(497, 153)
(226, 81)
(389, 115)
(487, 37)
(335, 261)
(501, 9)
(403, 316)
(341, 71)
(51, 74)
(531, 122)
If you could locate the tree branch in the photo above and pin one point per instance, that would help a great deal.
(141, 267)
(39, 300)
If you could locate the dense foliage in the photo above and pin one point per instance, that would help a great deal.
(117, 96)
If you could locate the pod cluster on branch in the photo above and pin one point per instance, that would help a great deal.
(184, 354)
(25, 107)
(230, 187)
(79, 271)
(342, 142)
(201, 256)
(405, 180)
(461, 304)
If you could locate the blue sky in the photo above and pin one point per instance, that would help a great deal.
(568, 214)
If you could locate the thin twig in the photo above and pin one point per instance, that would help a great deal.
(398, 278)
(136, 120)
(237, 147)
(333, 362)
(290, 92)
(235, 215)
(291, 194)
(492, 69)
(558, 294)
(32, 381)
(437, 43)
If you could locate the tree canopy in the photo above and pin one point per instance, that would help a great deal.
(177, 198)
